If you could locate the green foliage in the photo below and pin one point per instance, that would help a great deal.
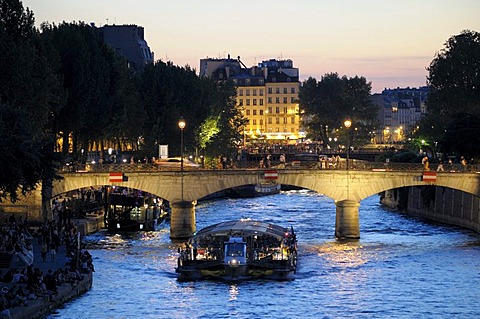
(327, 103)
(462, 136)
(28, 94)
(454, 97)
(230, 124)
(169, 93)
(207, 131)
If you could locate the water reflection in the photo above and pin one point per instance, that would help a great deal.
(233, 292)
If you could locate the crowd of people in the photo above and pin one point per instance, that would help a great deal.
(20, 284)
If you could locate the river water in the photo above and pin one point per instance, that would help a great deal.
(401, 267)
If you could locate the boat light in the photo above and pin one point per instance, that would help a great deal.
(118, 225)
(141, 226)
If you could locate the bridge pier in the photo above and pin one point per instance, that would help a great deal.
(182, 220)
(347, 225)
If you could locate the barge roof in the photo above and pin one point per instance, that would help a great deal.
(244, 227)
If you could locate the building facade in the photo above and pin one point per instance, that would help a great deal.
(400, 110)
(129, 42)
(267, 95)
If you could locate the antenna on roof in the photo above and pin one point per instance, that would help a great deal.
(107, 21)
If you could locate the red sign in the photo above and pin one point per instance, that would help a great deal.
(429, 177)
(116, 177)
(271, 174)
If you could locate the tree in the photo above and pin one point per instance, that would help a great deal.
(454, 83)
(229, 123)
(27, 96)
(328, 102)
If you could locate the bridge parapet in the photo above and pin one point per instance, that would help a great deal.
(355, 166)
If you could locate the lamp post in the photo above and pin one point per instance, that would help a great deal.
(181, 125)
(347, 124)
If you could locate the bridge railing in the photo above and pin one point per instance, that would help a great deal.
(353, 165)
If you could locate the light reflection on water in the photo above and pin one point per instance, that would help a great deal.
(400, 268)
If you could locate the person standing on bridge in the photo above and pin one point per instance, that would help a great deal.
(426, 165)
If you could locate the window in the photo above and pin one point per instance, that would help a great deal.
(277, 90)
(247, 92)
(248, 112)
(277, 120)
(261, 101)
(269, 100)
(270, 91)
(261, 92)
(248, 101)
(292, 90)
(285, 109)
(254, 101)
(254, 92)
(270, 109)
(269, 120)
(285, 100)
(261, 112)
(285, 90)
(285, 120)
(254, 122)
(261, 122)
(277, 110)
(240, 102)
(247, 82)
(292, 120)
(240, 92)
(254, 112)
(277, 100)
(292, 100)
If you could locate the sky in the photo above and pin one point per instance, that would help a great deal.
(389, 42)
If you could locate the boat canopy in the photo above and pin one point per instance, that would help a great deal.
(243, 227)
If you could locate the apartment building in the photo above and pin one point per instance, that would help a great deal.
(266, 93)
(400, 110)
(129, 42)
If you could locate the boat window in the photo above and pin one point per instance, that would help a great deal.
(234, 249)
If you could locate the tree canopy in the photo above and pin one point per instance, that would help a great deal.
(27, 96)
(453, 105)
(329, 102)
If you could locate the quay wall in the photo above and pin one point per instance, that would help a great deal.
(41, 307)
(439, 204)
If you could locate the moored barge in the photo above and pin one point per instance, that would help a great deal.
(239, 249)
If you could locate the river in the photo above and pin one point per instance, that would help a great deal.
(402, 267)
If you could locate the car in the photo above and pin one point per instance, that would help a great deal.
(175, 162)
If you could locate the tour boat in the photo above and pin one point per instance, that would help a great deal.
(239, 249)
(254, 190)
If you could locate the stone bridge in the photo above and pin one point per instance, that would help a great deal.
(346, 187)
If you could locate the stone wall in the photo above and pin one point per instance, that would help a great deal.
(439, 204)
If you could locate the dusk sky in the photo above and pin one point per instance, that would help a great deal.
(389, 42)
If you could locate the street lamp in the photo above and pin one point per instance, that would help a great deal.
(347, 124)
(181, 125)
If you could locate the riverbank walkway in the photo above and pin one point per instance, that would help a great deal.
(67, 291)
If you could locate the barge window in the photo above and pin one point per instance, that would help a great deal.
(235, 249)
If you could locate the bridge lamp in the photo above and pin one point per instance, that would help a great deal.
(181, 125)
(348, 124)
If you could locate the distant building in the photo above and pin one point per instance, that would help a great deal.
(400, 110)
(267, 94)
(129, 42)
